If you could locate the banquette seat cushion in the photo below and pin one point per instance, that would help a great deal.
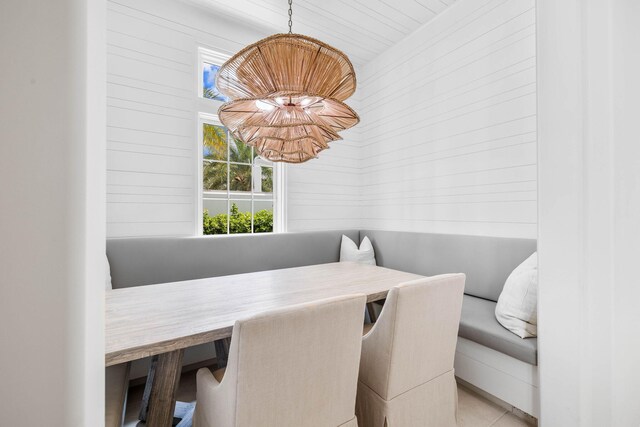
(478, 323)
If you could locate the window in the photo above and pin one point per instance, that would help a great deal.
(209, 64)
(209, 89)
(239, 192)
(237, 184)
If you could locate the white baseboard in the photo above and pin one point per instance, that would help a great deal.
(509, 379)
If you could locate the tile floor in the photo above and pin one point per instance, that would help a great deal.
(473, 409)
(476, 411)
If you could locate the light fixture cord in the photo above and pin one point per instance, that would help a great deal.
(290, 14)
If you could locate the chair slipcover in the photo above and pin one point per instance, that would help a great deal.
(293, 367)
(406, 369)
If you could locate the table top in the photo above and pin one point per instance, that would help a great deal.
(147, 320)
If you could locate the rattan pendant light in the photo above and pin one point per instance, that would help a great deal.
(287, 94)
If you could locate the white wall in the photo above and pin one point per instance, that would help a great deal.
(625, 203)
(446, 143)
(448, 133)
(323, 193)
(153, 109)
(52, 223)
(589, 209)
(152, 116)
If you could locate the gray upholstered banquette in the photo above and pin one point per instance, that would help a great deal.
(487, 262)
(145, 261)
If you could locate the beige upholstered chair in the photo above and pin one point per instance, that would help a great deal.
(406, 369)
(294, 367)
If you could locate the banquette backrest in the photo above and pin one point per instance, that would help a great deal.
(145, 261)
(487, 261)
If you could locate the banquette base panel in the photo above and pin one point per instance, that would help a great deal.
(507, 378)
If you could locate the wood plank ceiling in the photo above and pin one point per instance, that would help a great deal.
(360, 28)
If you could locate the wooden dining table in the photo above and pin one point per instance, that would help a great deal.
(163, 319)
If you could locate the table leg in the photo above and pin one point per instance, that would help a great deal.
(372, 312)
(222, 352)
(144, 408)
(162, 401)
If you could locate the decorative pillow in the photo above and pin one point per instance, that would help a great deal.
(349, 251)
(517, 308)
(107, 274)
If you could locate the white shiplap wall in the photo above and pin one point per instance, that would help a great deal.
(324, 193)
(448, 132)
(152, 113)
(152, 124)
(446, 143)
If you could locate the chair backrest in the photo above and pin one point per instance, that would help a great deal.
(414, 339)
(297, 366)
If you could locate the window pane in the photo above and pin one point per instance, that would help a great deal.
(240, 177)
(240, 218)
(214, 218)
(266, 180)
(263, 217)
(239, 151)
(209, 89)
(214, 142)
(214, 176)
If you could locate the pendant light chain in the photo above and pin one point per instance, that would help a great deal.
(290, 14)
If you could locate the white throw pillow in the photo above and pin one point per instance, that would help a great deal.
(517, 308)
(349, 251)
(107, 274)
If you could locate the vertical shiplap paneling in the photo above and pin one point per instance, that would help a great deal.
(448, 132)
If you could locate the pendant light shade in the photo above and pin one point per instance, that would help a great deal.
(287, 94)
(286, 63)
(294, 125)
